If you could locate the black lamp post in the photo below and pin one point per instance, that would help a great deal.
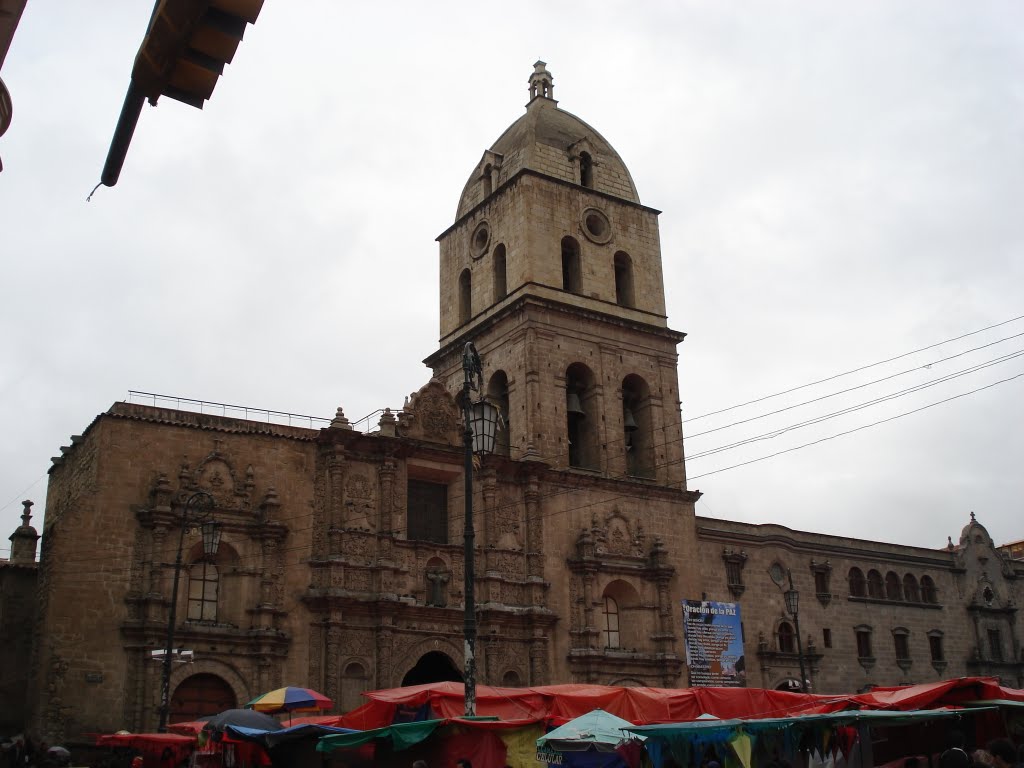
(194, 514)
(792, 598)
(481, 427)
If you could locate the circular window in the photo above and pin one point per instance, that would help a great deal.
(776, 573)
(596, 226)
(480, 240)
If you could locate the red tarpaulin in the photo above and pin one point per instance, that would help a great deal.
(559, 703)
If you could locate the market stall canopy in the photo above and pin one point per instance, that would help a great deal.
(560, 703)
(929, 695)
(598, 730)
(759, 725)
(245, 717)
(144, 741)
(272, 738)
(401, 735)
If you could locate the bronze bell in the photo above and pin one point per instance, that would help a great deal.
(573, 406)
(628, 422)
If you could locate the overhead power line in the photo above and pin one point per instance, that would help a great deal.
(854, 370)
(852, 389)
(859, 406)
(857, 429)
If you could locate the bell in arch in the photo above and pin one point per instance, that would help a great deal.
(573, 406)
(628, 422)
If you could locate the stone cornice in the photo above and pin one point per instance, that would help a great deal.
(523, 172)
(823, 544)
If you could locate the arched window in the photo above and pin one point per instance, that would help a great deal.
(892, 587)
(586, 170)
(488, 186)
(624, 280)
(353, 683)
(582, 417)
(621, 627)
(465, 297)
(858, 587)
(500, 275)
(787, 638)
(511, 679)
(928, 592)
(637, 429)
(497, 394)
(910, 591)
(876, 587)
(572, 278)
(611, 623)
(203, 591)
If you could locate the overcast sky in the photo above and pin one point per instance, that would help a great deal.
(841, 184)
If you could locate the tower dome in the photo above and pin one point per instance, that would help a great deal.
(549, 141)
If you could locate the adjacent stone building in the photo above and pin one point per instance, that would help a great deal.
(340, 564)
(17, 616)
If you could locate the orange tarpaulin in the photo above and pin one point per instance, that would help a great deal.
(559, 703)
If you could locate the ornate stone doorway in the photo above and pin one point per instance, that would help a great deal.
(433, 667)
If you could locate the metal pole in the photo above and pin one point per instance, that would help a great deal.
(172, 617)
(799, 643)
(470, 365)
(165, 679)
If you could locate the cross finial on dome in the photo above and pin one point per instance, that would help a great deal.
(541, 82)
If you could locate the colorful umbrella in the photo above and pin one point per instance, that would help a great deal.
(291, 699)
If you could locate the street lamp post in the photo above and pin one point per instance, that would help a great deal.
(792, 598)
(480, 420)
(193, 513)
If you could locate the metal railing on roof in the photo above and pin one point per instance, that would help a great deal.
(367, 424)
(227, 409)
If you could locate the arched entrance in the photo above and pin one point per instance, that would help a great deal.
(199, 696)
(790, 684)
(433, 667)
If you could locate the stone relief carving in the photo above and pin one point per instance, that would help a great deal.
(358, 581)
(357, 643)
(431, 414)
(360, 503)
(507, 518)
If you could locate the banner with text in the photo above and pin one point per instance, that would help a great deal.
(714, 643)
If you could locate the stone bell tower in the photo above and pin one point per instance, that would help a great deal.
(552, 269)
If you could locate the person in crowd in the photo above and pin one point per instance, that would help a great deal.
(419, 764)
(954, 757)
(1003, 753)
(981, 758)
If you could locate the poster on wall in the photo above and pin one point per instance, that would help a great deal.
(714, 643)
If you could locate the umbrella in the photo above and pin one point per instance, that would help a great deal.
(59, 755)
(244, 717)
(291, 699)
(597, 730)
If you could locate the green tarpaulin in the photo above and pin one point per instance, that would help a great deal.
(402, 736)
(871, 717)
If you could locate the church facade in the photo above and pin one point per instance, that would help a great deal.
(340, 564)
